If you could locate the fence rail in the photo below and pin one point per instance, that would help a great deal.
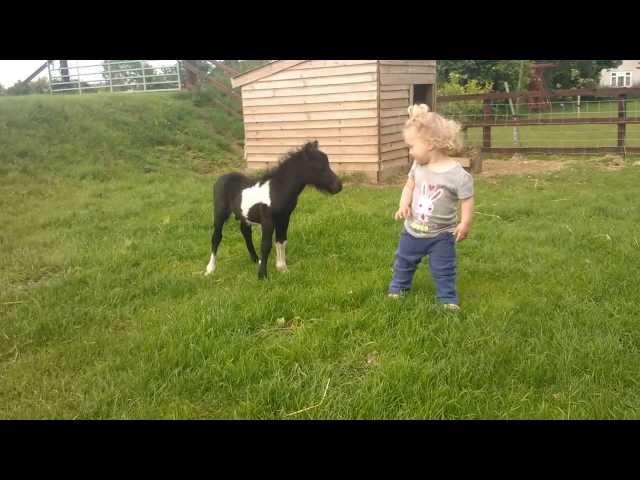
(114, 76)
(486, 118)
(552, 121)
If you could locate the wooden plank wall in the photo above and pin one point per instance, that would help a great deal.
(396, 78)
(332, 101)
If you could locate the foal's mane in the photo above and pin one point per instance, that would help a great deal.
(286, 160)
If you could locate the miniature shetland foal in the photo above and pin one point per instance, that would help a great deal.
(269, 202)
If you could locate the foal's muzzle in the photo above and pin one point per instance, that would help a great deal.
(336, 186)
(332, 186)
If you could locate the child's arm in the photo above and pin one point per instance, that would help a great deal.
(466, 218)
(404, 210)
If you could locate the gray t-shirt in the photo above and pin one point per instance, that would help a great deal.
(435, 199)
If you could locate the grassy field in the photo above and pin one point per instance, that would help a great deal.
(105, 313)
(558, 136)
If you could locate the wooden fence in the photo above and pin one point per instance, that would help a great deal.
(489, 119)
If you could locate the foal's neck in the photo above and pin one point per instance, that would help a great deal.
(288, 181)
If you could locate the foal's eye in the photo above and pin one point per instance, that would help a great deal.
(320, 165)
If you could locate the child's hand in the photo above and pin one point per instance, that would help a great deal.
(461, 231)
(403, 212)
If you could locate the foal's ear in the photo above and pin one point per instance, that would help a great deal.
(312, 145)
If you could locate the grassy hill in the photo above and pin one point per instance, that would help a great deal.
(112, 135)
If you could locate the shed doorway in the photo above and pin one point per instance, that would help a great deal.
(422, 93)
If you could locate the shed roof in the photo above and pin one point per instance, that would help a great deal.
(258, 73)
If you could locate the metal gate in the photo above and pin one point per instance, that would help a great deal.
(114, 76)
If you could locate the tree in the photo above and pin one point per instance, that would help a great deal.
(493, 72)
(40, 85)
(19, 88)
(3, 91)
(568, 74)
(455, 87)
(576, 73)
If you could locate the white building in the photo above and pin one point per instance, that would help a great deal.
(626, 75)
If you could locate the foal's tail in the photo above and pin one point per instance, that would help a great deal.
(217, 197)
(222, 194)
(221, 202)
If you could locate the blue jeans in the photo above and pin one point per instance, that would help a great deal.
(442, 263)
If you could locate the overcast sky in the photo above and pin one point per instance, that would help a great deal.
(13, 70)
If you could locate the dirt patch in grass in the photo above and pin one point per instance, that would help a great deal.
(610, 162)
(521, 166)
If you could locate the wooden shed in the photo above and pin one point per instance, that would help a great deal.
(354, 108)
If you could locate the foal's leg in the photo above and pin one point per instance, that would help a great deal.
(282, 225)
(267, 241)
(220, 216)
(246, 233)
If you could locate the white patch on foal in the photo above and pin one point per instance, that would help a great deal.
(211, 266)
(281, 261)
(254, 195)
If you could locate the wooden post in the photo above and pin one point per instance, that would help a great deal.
(486, 131)
(622, 127)
(110, 77)
(64, 71)
(144, 77)
(191, 80)
(50, 79)
(79, 83)
(519, 84)
(476, 163)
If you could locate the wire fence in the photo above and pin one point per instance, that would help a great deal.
(501, 112)
(558, 124)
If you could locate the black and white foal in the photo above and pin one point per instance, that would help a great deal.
(269, 202)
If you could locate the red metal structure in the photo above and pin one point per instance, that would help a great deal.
(541, 101)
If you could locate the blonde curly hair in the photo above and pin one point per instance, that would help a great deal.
(442, 133)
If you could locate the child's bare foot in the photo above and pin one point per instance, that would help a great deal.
(394, 295)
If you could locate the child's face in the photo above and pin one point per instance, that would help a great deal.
(419, 148)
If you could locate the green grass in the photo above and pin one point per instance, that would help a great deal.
(105, 313)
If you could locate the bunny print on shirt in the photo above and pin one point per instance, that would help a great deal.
(436, 195)
(424, 204)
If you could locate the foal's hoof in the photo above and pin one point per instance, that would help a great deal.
(282, 268)
(211, 266)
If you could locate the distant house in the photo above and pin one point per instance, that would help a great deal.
(626, 75)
